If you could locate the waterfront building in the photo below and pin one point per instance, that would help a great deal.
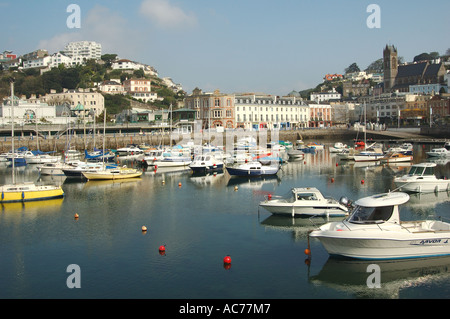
(320, 115)
(212, 109)
(90, 102)
(139, 89)
(26, 112)
(438, 107)
(383, 108)
(262, 111)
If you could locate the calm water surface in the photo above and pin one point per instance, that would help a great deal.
(201, 222)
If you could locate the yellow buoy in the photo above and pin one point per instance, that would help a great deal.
(144, 228)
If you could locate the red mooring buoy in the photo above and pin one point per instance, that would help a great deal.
(227, 260)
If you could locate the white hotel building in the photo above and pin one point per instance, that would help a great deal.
(270, 112)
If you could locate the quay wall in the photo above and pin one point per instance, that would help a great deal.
(114, 141)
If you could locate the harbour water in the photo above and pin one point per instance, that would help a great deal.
(200, 220)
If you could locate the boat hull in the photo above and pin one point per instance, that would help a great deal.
(291, 210)
(422, 186)
(113, 175)
(206, 168)
(359, 247)
(34, 194)
(252, 172)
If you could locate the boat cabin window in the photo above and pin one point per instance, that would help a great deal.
(306, 196)
(417, 170)
(370, 215)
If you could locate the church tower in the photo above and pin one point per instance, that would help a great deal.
(390, 66)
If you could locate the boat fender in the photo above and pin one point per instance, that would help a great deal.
(23, 195)
(3, 195)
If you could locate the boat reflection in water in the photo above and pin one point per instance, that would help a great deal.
(354, 277)
(33, 207)
(299, 226)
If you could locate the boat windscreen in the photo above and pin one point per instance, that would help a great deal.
(370, 215)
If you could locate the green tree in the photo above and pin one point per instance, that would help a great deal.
(352, 68)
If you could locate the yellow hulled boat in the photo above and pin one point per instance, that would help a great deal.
(29, 192)
(113, 173)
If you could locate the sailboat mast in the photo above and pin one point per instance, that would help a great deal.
(12, 130)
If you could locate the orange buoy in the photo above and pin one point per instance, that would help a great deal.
(332, 180)
(76, 216)
(307, 252)
(162, 249)
(362, 181)
(179, 184)
(144, 229)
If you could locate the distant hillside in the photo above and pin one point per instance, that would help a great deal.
(31, 81)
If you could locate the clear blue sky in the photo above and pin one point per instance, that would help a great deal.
(234, 46)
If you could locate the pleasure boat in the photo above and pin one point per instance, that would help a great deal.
(77, 170)
(29, 191)
(131, 151)
(396, 158)
(440, 151)
(206, 163)
(421, 178)
(112, 173)
(374, 231)
(338, 147)
(296, 155)
(253, 169)
(405, 148)
(305, 201)
(56, 168)
(370, 154)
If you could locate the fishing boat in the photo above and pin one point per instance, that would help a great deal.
(252, 169)
(305, 201)
(206, 163)
(422, 178)
(374, 231)
(112, 173)
(27, 191)
(396, 158)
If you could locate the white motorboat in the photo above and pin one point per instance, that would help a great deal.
(369, 155)
(338, 147)
(421, 178)
(206, 163)
(405, 148)
(131, 151)
(296, 155)
(253, 169)
(77, 170)
(56, 168)
(38, 157)
(374, 231)
(305, 201)
(440, 151)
